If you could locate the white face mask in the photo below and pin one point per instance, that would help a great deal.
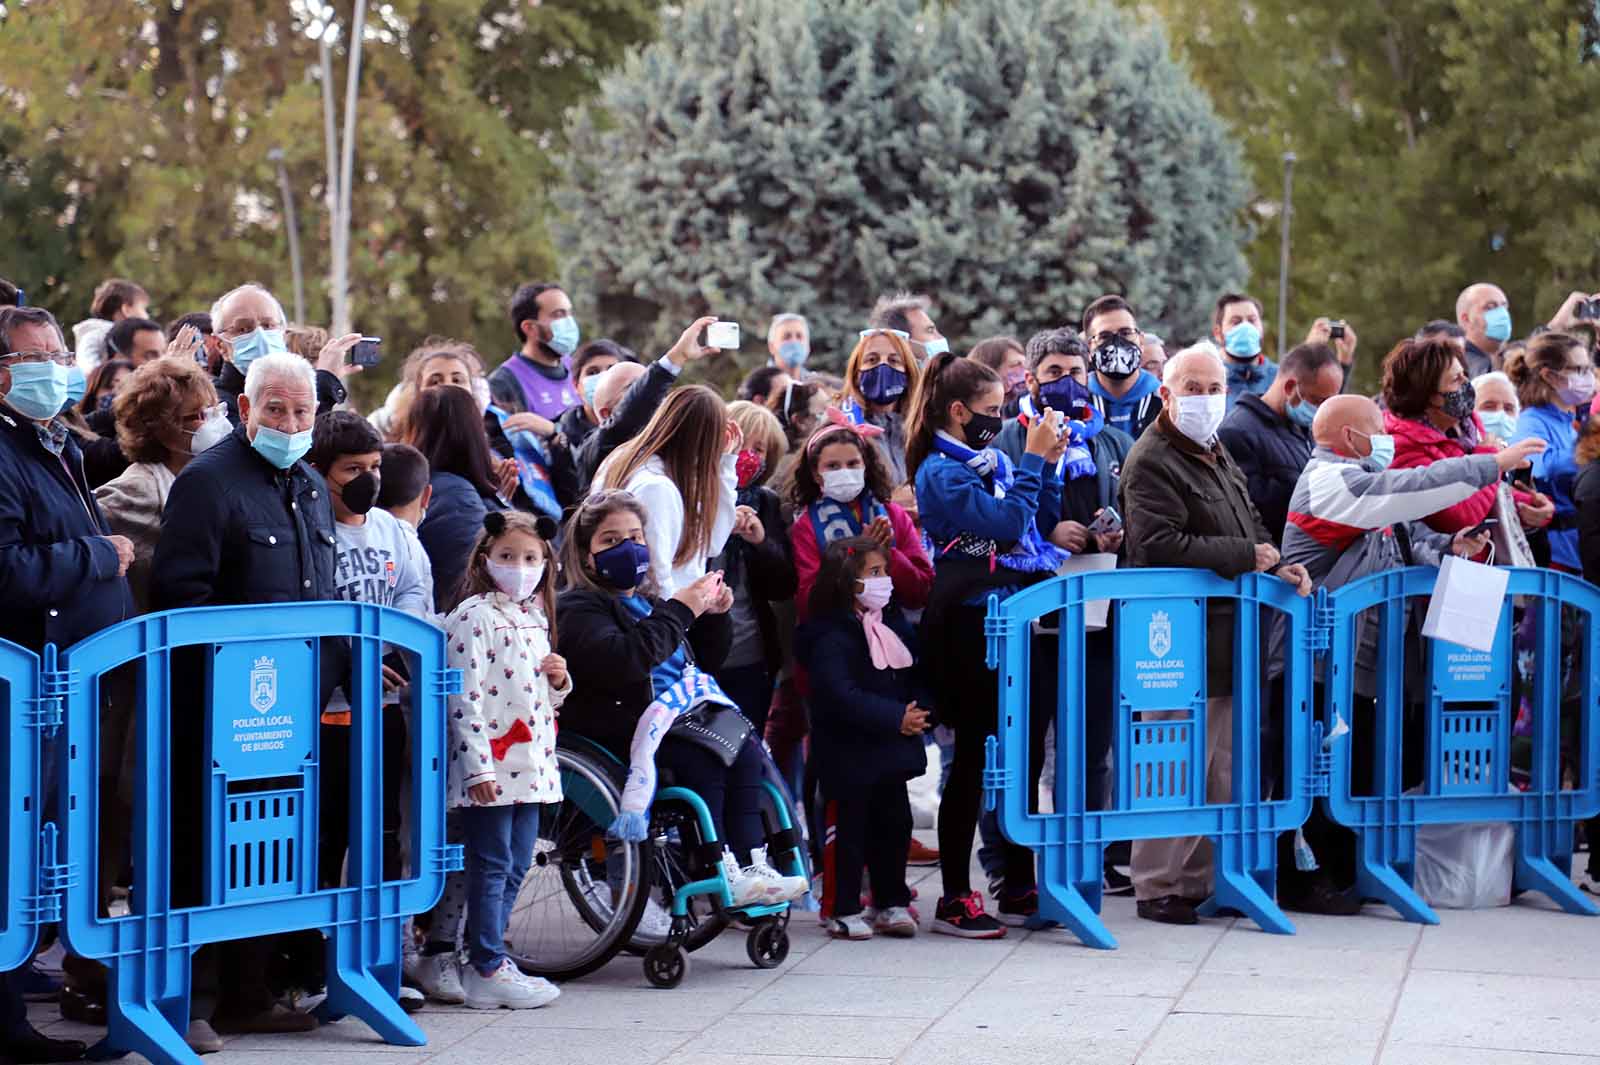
(875, 592)
(212, 431)
(1199, 416)
(842, 486)
(518, 582)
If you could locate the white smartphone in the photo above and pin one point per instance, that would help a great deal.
(723, 335)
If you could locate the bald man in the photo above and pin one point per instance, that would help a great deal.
(1185, 503)
(1351, 516)
(1485, 313)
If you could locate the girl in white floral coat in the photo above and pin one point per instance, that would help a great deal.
(502, 764)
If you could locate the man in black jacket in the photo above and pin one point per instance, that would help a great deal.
(622, 419)
(247, 521)
(61, 569)
(1269, 436)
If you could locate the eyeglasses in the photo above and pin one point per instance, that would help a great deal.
(1126, 333)
(901, 333)
(63, 358)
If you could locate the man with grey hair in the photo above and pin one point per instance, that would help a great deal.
(789, 343)
(62, 571)
(908, 313)
(247, 521)
(1186, 504)
(251, 322)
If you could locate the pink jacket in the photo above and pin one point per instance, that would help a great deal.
(909, 565)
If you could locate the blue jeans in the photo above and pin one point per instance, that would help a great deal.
(499, 842)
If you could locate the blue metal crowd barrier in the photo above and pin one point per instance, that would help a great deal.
(1159, 622)
(29, 711)
(1466, 735)
(252, 673)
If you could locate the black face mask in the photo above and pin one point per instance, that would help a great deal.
(982, 429)
(1118, 357)
(360, 493)
(1461, 403)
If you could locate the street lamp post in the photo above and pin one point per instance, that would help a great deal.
(1283, 253)
(276, 156)
(341, 165)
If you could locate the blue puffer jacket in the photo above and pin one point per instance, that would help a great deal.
(455, 518)
(58, 575)
(856, 709)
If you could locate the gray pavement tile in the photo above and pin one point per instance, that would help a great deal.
(1541, 1014)
(750, 1033)
(926, 955)
(503, 1044)
(1478, 941)
(1222, 1039)
(687, 1008)
(996, 1047)
(1047, 961)
(1037, 1011)
(1145, 939)
(1427, 1054)
(1313, 952)
(909, 997)
(1352, 995)
(443, 1027)
(701, 1058)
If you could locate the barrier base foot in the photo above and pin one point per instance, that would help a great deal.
(1240, 891)
(1064, 906)
(360, 995)
(144, 1030)
(1381, 882)
(1535, 873)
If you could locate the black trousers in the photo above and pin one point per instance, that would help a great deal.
(1333, 844)
(871, 827)
(335, 797)
(970, 705)
(731, 793)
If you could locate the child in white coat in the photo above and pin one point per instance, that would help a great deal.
(502, 766)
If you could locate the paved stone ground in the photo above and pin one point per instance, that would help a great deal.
(1510, 986)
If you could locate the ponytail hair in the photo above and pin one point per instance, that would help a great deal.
(949, 378)
(1525, 368)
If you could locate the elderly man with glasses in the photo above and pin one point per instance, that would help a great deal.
(62, 571)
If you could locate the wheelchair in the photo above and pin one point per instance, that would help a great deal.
(586, 892)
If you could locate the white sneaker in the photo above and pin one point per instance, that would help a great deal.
(895, 921)
(546, 991)
(505, 987)
(439, 977)
(781, 888)
(747, 886)
(854, 926)
(655, 922)
(411, 1000)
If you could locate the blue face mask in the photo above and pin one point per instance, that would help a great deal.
(1501, 423)
(589, 386)
(883, 384)
(253, 345)
(1497, 323)
(38, 389)
(792, 353)
(1382, 452)
(1302, 413)
(281, 449)
(1065, 394)
(1243, 341)
(623, 565)
(564, 336)
(77, 385)
(936, 346)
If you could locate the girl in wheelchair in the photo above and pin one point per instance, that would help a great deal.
(630, 652)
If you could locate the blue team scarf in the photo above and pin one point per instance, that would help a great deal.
(533, 466)
(1031, 554)
(831, 521)
(1078, 461)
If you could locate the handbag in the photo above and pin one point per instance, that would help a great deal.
(1510, 543)
(718, 728)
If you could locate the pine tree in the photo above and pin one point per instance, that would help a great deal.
(1013, 160)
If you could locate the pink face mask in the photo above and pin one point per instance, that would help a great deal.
(875, 592)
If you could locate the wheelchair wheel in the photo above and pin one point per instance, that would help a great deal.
(768, 943)
(584, 892)
(675, 836)
(666, 966)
